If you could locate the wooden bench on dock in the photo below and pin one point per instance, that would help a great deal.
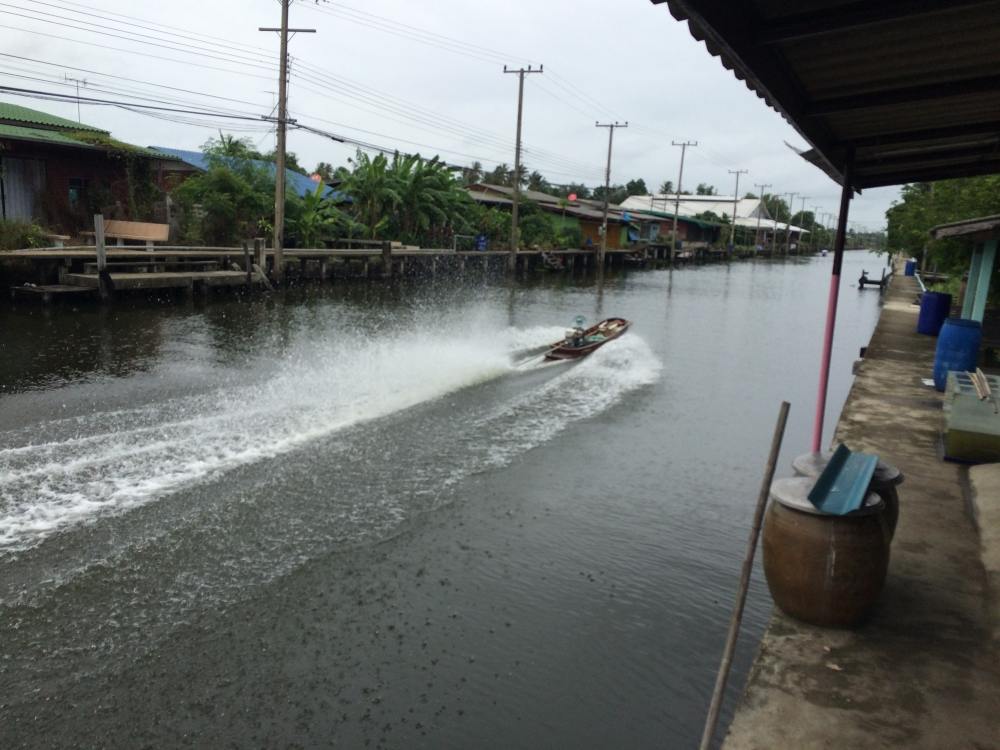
(134, 231)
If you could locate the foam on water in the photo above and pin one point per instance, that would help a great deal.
(64, 472)
(61, 473)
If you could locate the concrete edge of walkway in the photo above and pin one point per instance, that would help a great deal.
(985, 487)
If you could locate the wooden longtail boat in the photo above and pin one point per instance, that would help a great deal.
(580, 343)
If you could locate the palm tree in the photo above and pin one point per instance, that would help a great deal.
(536, 181)
(316, 218)
(500, 175)
(373, 190)
(472, 175)
(667, 187)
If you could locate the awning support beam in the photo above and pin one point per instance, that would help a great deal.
(846, 194)
(855, 16)
(977, 288)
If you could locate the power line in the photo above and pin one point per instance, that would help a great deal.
(146, 55)
(91, 71)
(56, 96)
(142, 39)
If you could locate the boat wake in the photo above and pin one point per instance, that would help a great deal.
(65, 472)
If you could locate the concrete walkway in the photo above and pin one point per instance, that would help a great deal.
(924, 672)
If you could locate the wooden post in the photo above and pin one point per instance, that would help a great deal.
(102, 258)
(247, 262)
(741, 595)
(386, 260)
(260, 254)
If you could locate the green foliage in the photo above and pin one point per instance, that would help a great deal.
(313, 219)
(291, 161)
(226, 204)
(924, 205)
(492, 222)
(536, 227)
(18, 235)
(472, 174)
(705, 189)
(537, 181)
(229, 146)
(570, 237)
(579, 189)
(326, 172)
(667, 187)
(140, 187)
(636, 187)
(777, 208)
(410, 198)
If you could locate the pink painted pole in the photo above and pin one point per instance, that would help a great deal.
(831, 307)
(824, 367)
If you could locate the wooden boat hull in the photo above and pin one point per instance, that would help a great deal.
(609, 330)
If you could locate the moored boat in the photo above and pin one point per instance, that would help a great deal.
(580, 342)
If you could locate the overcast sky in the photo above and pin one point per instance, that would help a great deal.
(386, 72)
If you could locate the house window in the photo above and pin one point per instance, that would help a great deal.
(77, 193)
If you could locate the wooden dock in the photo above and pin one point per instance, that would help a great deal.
(203, 268)
(158, 279)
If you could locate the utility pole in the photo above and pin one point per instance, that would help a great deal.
(788, 223)
(78, 82)
(677, 196)
(802, 222)
(815, 242)
(736, 198)
(607, 188)
(761, 186)
(279, 166)
(514, 230)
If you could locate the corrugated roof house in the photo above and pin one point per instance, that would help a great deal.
(747, 209)
(295, 181)
(57, 171)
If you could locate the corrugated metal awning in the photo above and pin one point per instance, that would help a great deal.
(911, 88)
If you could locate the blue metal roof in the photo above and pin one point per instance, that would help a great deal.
(300, 183)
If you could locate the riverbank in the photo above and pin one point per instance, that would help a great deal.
(49, 274)
(924, 672)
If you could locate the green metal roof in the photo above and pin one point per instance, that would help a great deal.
(18, 133)
(16, 113)
(60, 138)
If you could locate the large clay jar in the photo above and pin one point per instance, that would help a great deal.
(884, 482)
(823, 569)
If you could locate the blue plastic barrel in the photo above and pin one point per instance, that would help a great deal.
(934, 308)
(910, 268)
(957, 348)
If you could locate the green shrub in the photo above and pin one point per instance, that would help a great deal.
(16, 235)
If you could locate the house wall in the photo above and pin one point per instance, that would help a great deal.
(617, 234)
(93, 176)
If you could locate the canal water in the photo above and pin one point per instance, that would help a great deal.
(365, 516)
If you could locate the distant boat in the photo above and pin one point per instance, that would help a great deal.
(579, 343)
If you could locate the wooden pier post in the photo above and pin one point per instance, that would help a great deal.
(103, 277)
(248, 263)
(386, 260)
(260, 253)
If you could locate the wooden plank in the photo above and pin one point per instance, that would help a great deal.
(160, 280)
(136, 230)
